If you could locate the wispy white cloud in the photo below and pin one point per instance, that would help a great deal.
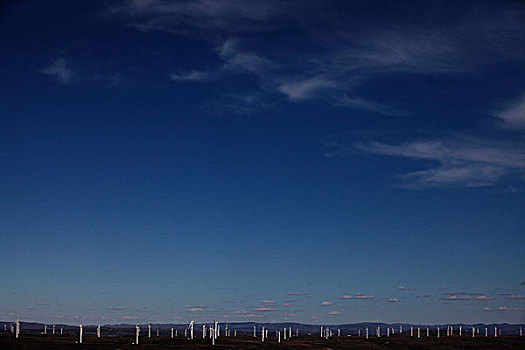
(116, 308)
(296, 293)
(358, 296)
(198, 16)
(264, 308)
(334, 313)
(466, 297)
(326, 303)
(393, 300)
(517, 297)
(193, 75)
(235, 58)
(195, 309)
(513, 116)
(463, 293)
(365, 105)
(60, 70)
(301, 89)
(504, 308)
(464, 161)
(346, 55)
(127, 317)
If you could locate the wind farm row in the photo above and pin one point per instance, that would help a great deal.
(249, 334)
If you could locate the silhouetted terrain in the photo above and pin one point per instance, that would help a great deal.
(40, 341)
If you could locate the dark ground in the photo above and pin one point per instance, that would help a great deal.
(52, 342)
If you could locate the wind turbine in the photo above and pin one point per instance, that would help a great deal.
(190, 327)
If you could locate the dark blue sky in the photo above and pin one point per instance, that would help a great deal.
(312, 161)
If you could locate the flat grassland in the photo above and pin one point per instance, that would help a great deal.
(52, 342)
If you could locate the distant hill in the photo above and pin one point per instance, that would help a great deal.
(246, 328)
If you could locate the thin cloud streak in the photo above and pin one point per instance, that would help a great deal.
(200, 17)
(513, 117)
(466, 161)
(193, 76)
(358, 296)
(346, 56)
(60, 70)
(304, 88)
(466, 297)
(504, 308)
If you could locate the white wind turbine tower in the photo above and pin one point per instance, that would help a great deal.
(191, 329)
(98, 331)
(17, 328)
(137, 331)
(80, 334)
(149, 330)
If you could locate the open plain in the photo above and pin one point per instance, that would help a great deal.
(30, 342)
